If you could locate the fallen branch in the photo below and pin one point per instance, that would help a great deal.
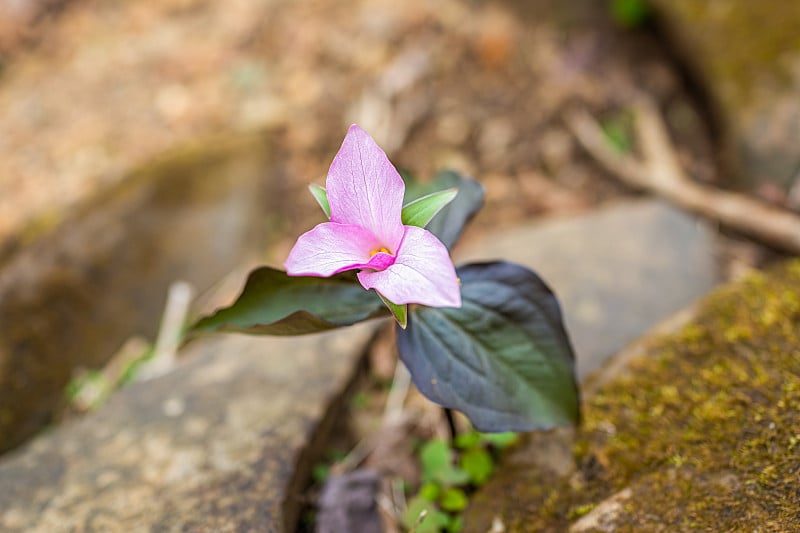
(659, 172)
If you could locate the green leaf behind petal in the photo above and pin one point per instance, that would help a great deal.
(422, 210)
(321, 196)
(273, 303)
(503, 358)
(450, 222)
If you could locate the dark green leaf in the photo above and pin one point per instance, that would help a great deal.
(503, 358)
(273, 303)
(321, 196)
(449, 223)
(422, 210)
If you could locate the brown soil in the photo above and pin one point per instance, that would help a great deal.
(101, 87)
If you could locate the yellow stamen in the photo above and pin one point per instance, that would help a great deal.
(380, 250)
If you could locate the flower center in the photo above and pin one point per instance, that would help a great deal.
(380, 250)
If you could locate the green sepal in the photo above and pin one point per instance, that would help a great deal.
(422, 210)
(450, 222)
(321, 196)
(399, 311)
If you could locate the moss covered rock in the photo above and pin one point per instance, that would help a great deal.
(702, 433)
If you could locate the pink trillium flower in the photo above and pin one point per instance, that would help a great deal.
(405, 264)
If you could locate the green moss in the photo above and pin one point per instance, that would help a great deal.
(581, 510)
(705, 430)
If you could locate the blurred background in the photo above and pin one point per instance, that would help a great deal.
(145, 142)
(92, 89)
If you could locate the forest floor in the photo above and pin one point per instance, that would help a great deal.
(480, 87)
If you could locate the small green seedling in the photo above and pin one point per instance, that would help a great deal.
(450, 474)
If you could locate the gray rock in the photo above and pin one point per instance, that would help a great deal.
(617, 271)
(747, 57)
(74, 295)
(348, 503)
(224, 443)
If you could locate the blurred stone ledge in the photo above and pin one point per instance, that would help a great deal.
(225, 442)
(73, 296)
(617, 271)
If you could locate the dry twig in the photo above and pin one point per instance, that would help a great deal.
(169, 334)
(397, 394)
(659, 172)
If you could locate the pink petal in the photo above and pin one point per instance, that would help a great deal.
(422, 273)
(365, 189)
(330, 248)
(380, 261)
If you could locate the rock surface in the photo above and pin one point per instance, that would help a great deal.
(75, 295)
(747, 56)
(617, 271)
(700, 432)
(221, 444)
